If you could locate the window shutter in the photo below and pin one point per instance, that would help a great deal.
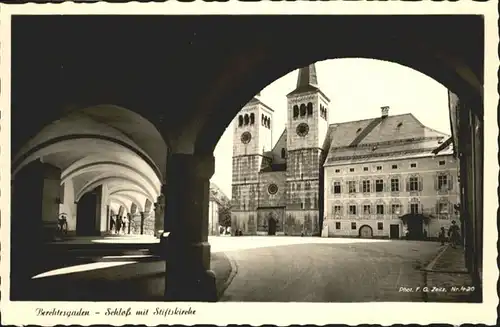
(450, 182)
(332, 188)
(384, 186)
(436, 185)
(407, 184)
(347, 187)
(420, 183)
(360, 186)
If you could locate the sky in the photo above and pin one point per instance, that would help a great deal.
(357, 88)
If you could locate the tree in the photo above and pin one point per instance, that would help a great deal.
(225, 214)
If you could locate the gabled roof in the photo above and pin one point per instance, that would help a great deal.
(381, 137)
(257, 100)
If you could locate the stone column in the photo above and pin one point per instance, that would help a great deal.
(186, 218)
(159, 212)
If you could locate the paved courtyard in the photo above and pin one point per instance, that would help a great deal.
(264, 269)
(286, 269)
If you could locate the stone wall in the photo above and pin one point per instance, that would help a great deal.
(263, 216)
(303, 164)
(246, 169)
(149, 223)
(271, 182)
(302, 221)
(244, 221)
(135, 224)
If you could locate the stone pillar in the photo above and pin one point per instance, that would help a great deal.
(35, 198)
(159, 212)
(186, 218)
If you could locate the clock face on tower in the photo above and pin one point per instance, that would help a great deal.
(302, 129)
(246, 137)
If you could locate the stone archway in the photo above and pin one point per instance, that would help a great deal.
(365, 231)
(220, 82)
(437, 55)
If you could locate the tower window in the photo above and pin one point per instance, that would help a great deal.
(240, 120)
(262, 120)
(302, 109)
(252, 118)
(309, 109)
(295, 111)
(283, 153)
(442, 162)
(247, 119)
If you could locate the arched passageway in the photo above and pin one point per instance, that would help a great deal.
(82, 164)
(192, 107)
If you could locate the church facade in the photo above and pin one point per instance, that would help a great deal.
(309, 180)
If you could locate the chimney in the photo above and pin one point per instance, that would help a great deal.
(385, 111)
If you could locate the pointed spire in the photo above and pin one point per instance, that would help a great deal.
(307, 77)
(307, 81)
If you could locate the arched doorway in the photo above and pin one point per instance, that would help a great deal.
(87, 221)
(365, 231)
(271, 223)
(415, 228)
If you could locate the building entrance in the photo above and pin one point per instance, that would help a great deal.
(394, 231)
(365, 232)
(271, 223)
(415, 228)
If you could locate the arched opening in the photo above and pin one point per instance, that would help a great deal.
(259, 62)
(309, 109)
(295, 111)
(302, 110)
(86, 152)
(247, 120)
(240, 120)
(252, 118)
(365, 231)
(271, 222)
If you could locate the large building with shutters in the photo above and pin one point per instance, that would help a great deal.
(379, 177)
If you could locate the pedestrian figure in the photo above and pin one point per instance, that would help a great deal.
(124, 224)
(118, 224)
(453, 233)
(112, 224)
(442, 236)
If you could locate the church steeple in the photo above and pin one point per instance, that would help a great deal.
(307, 81)
(307, 77)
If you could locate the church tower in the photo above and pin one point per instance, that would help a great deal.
(307, 125)
(252, 132)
